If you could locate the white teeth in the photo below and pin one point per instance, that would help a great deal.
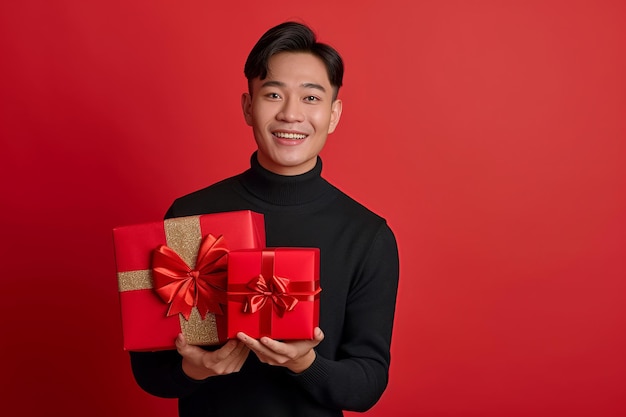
(289, 135)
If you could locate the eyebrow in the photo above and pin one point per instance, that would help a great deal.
(282, 84)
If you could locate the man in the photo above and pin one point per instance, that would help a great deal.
(292, 106)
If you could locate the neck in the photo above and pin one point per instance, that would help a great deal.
(284, 190)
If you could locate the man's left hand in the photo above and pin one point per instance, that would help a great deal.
(296, 355)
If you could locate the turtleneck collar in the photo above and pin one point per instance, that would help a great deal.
(284, 190)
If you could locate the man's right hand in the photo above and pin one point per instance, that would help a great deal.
(201, 364)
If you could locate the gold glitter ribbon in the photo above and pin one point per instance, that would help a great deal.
(183, 235)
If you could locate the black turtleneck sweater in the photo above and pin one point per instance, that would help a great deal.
(359, 279)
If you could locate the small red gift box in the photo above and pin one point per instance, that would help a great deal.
(172, 276)
(273, 292)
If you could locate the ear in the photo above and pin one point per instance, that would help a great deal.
(246, 106)
(335, 115)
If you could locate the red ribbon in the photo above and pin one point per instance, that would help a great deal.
(183, 288)
(274, 289)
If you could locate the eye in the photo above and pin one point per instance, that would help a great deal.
(273, 96)
(311, 98)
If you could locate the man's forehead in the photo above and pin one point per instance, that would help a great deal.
(309, 68)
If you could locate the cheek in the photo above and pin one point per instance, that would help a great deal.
(320, 120)
(259, 120)
(262, 115)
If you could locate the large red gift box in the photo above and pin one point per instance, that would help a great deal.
(273, 292)
(172, 276)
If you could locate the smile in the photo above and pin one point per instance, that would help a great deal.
(284, 135)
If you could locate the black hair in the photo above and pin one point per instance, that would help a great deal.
(293, 37)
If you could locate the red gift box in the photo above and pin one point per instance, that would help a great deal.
(273, 292)
(172, 276)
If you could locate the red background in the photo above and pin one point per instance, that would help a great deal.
(491, 134)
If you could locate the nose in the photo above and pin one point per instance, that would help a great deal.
(291, 111)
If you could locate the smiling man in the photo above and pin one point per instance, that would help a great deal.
(291, 111)
(292, 106)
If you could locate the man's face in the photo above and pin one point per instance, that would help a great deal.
(291, 112)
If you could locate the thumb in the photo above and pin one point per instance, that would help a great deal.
(180, 342)
(318, 334)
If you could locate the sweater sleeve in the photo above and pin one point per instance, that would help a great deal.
(161, 374)
(357, 379)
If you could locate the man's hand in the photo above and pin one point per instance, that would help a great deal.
(296, 355)
(200, 364)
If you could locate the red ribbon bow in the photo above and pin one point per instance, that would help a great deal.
(275, 289)
(183, 288)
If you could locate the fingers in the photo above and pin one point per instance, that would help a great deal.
(232, 355)
(199, 363)
(186, 350)
(228, 359)
(265, 354)
(294, 348)
(250, 342)
(274, 345)
(318, 335)
(237, 357)
(191, 351)
(225, 351)
(181, 342)
(298, 354)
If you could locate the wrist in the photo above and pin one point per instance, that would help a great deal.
(303, 363)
